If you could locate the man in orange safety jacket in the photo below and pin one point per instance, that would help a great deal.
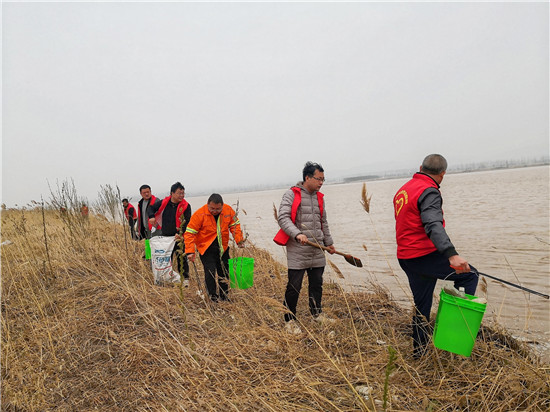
(208, 232)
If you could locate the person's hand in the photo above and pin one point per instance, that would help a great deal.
(152, 221)
(191, 257)
(459, 264)
(331, 249)
(241, 244)
(178, 237)
(302, 238)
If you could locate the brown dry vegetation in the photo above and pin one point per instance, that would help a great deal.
(84, 328)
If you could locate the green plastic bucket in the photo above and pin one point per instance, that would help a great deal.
(457, 323)
(147, 250)
(241, 273)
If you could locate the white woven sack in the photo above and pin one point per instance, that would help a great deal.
(161, 251)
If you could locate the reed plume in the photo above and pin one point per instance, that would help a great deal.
(365, 199)
(275, 214)
(336, 269)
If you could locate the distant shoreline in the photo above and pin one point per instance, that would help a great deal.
(460, 169)
(398, 174)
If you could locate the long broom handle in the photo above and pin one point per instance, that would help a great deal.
(324, 248)
(516, 286)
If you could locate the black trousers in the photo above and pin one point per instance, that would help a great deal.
(131, 223)
(423, 273)
(212, 263)
(182, 264)
(294, 285)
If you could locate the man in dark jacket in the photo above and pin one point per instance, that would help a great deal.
(147, 200)
(171, 217)
(424, 249)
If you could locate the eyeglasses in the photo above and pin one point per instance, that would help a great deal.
(320, 179)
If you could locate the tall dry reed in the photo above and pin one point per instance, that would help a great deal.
(100, 336)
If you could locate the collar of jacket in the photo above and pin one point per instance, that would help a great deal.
(301, 186)
(427, 175)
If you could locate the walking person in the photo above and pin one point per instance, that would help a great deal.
(302, 217)
(170, 217)
(131, 216)
(147, 200)
(424, 249)
(208, 233)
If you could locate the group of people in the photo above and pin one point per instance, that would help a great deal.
(206, 231)
(424, 250)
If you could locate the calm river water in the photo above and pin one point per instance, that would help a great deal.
(498, 220)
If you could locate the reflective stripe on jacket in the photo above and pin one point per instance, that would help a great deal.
(203, 229)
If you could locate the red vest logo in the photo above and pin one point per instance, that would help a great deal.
(402, 198)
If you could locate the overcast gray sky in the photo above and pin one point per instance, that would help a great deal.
(222, 95)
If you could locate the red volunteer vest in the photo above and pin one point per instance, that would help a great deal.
(281, 238)
(131, 211)
(151, 202)
(412, 240)
(179, 212)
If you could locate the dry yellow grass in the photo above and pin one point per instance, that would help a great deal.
(84, 328)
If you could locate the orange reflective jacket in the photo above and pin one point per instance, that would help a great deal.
(203, 229)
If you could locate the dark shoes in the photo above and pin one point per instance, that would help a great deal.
(222, 298)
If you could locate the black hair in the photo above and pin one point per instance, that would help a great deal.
(434, 164)
(176, 186)
(124, 200)
(144, 187)
(310, 168)
(216, 199)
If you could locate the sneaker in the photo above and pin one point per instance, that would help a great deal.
(292, 327)
(185, 283)
(323, 319)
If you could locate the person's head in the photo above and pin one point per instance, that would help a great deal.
(215, 204)
(314, 176)
(145, 192)
(434, 165)
(177, 191)
(125, 203)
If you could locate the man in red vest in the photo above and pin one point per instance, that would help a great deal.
(302, 218)
(147, 200)
(424, 249)
(170, 217)
(131, 216)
